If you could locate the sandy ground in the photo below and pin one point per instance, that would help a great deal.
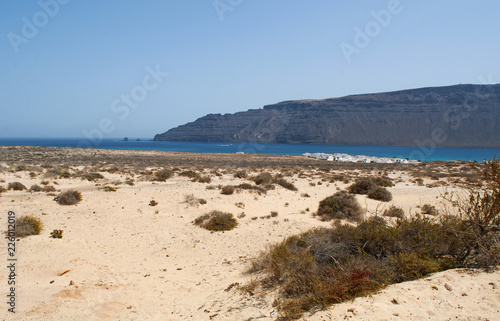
(121, 259)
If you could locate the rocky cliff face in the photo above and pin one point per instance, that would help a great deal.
(460, 116)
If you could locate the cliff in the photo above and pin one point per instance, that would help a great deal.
(459, 116)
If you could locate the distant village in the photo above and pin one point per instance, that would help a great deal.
(337, 157)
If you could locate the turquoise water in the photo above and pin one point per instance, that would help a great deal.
(425, 153)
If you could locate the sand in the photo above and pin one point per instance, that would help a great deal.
(122, 259)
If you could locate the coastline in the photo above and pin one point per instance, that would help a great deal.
(121, 258)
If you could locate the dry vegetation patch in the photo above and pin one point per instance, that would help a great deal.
(70, 197)
(217, 221)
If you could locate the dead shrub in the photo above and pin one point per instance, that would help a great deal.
(361, 186)
(429, 210)
(28, 225)
(380, 194)
(228, 190)
(394, 211)
(217, 221)
(262, 178)
(285, 184)
(16, 186)
(70, 197)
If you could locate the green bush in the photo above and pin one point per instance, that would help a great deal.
(217, 221)
(340, 206)
(70, 197)
(380, 194)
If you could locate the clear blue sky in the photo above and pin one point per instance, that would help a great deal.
(69, 66)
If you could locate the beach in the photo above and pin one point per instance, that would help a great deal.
(123, 257)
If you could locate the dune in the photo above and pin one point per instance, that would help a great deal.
(122, 259)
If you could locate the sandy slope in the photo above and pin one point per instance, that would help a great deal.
(127, 260)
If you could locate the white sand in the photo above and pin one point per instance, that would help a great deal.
(132, 261)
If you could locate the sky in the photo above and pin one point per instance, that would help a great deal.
(116, 68)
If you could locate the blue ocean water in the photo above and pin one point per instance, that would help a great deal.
(425, 153)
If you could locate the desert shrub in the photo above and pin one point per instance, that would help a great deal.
(16, 186)
(48, 189)
(340, 206)
(259, 189)
(56, 234)
(217, 221)
(228, 190)
(189, 173)
(2, 189)
(45, 183)
(93, 176)
(274, 214)
(70, 197)
(153, 203)
(28, 225)
(241, 174)
(361, 186)
(383, 181)
(109, 189)
(129, 181)
(35, 188)
(64, 174)
(380, 194)
(262, 178)
(284, 183)
(204, 179)
(163, 174)
(428, 209)
(194, 201)
(394, 211)
(324, 266)
(479, 211)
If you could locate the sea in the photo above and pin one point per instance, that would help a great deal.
(422, 153)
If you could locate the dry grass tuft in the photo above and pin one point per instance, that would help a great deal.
(217, 221)
(28, 225)
(70, 197)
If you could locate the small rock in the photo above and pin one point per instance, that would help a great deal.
(394, 301)
(448, 287)
(71, 282)
(435, 288)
